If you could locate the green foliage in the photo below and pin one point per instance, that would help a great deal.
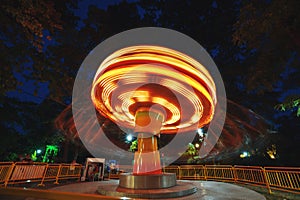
(34, 17)
(134, 146)
(269, 31)
(191, 154)
(290, 104)
(34, 156)
(25, 26)
(50, 153)
(26, 127)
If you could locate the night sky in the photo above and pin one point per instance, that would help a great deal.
(255, 46)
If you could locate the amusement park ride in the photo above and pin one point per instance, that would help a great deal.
(146, 101)
(149, 82)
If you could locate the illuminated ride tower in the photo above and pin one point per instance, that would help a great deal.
(153, 90)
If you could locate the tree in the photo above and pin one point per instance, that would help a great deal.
(26, 25)
(26, 127)
(290, 104)
(269, 31)
(42, 42)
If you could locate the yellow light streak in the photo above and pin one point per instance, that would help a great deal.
(129, 68)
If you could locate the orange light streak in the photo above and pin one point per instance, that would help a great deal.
(118, 91)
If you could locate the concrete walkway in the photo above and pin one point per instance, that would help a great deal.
(207, 190)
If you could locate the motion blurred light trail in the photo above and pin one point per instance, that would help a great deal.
(151, 75)
(120, 87)
(242, 128)
(153, 90)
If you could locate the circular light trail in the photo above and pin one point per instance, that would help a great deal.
(148, 81)
(154, 77)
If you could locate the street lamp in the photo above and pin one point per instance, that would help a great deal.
(129, 138)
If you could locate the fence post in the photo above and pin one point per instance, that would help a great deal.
(80, 171)
(57, 175)
(10, 171)
(44, 175)
(205, 172)
(235, 177)
(266, 180)
(179, 172)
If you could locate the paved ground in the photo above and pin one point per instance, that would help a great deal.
(207, 190)
(87, 191)
(275, 195)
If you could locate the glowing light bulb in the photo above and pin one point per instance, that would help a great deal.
(129, 138)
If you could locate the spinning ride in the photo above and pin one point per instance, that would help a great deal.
(153, 90)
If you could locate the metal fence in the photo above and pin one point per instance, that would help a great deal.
(21, 172)
(271, 178)
(284, 178)
(5, 171)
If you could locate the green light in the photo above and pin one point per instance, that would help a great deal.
(50, 153)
